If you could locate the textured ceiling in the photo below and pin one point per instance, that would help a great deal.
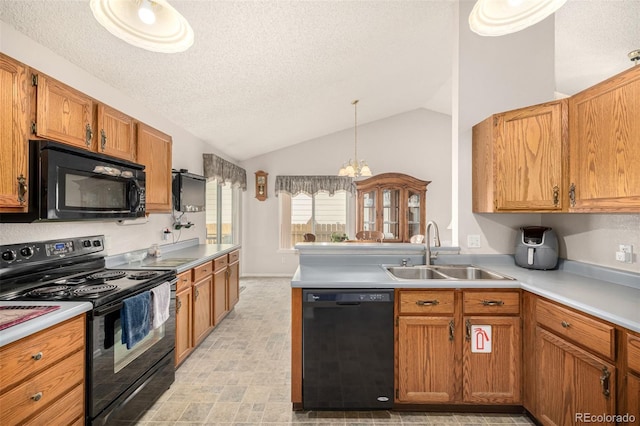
(263, 75)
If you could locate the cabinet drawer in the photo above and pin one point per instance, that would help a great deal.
(633, 352)
(45, 388)
(590, 333)
(68, 410)
(491, 302)
(184, 281)
(37, 352)
(199, 272)
(234, 256)
(426, 302)
(220, 263)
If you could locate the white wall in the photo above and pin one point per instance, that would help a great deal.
(187, 153)
(417, 143)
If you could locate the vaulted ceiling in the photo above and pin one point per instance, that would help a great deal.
(263, 75)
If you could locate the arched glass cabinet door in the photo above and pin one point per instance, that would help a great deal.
(414, 213)
(391, 211)
(369, 209)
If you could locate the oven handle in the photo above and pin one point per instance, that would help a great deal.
(112, 308)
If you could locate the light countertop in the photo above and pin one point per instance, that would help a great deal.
(67, 310)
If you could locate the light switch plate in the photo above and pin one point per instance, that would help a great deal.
(473, 241)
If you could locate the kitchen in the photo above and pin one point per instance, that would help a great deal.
(590, 238)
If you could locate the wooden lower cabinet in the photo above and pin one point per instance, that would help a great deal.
(571, 382)
(42, 376)
(184, 324)
(202, 291)
(633, 396)
(219, 295)
(495, 377)
(426, 359)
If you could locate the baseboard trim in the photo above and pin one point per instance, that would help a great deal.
(266, 275)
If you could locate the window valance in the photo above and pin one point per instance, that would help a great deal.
(224, 171)
(294, 185)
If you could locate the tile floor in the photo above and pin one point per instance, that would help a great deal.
(240, 375)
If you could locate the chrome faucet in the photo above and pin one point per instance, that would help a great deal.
(436, 238)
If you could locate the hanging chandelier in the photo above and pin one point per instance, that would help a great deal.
(355, 168)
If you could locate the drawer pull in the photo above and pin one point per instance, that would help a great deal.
(492, 302)
(37, 357)
(427, 302)
(184, 280)
(467, 325)
(565, 324)
(451, 329)
(37, 397)
(604, 381)
(178, 306)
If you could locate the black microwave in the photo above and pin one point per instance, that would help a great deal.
(189, 192)
(67, 184)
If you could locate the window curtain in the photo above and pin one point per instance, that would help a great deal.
(224, 171)
(310, 185)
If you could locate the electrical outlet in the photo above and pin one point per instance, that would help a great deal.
(473, 241)
(625, 253)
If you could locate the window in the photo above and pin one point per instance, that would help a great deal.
(223, 213)
(320, 214)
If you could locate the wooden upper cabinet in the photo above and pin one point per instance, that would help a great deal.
(14, 134)
(116, 133)
(63, 114)
(392, 203)
(519, 160)
(154, 152)
(605, 145)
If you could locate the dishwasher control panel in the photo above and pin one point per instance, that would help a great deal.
(346, 296)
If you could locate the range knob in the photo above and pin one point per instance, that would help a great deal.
(8, 256)
(26, 252)
(97, 243)
(86, 243)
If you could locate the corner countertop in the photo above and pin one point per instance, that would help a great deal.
(187, 255)
(611, 295)
(67, 310)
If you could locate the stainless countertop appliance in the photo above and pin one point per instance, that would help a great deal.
(347, 349)
(120, 383)
(536, 248)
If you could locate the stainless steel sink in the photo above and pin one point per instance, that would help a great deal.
(171, 262)
(447, 272)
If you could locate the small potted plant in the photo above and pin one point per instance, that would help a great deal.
(337, 237)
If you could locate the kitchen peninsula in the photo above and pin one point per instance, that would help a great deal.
(594, 324)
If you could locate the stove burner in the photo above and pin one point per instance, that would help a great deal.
(142, 275)
(107, 275)
(49, 292)
(94, 290)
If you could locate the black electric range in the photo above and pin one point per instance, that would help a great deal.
(120, 381)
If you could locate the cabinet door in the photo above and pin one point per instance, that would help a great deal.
(14, 134)
(604, 153)
(201, 309)
(571, 382)
(184, 324)
(426, 359)
(233, 284)
(154, 152)
(63, 114)
(391, 210)
(415, 213)
(219, 295)
(633, 396)
(116, 133)
(529, 158)
(368, 211)
(493, 377)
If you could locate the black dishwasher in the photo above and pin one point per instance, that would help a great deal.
(347, 349)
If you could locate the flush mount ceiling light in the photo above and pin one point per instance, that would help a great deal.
(500, 17)
(355, 168)
(149, 24)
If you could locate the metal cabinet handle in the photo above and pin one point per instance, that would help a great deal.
(103, 139)
(22, 189)
(604, 381)
(556, 195)
(427, 302)
(467, 325)
(37, 357)
(37, 397)
(184, 280)
(88, 134)
(197, 293)
(451, 329)
(492, 302)
(178, 305)
(572, 194)
(565, 324)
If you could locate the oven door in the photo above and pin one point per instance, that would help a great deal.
(116, 375)
(76, 186)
